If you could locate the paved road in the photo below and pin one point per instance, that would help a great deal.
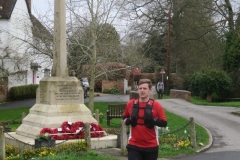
(24, 103)
(224, 126)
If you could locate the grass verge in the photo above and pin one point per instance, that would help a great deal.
(199, 101)
(167, 149)
(90, 155)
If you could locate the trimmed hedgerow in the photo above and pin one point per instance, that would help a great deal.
(22, 92)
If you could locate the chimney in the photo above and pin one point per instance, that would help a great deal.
(30, 5)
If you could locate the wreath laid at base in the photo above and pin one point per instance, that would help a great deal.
(71, 130)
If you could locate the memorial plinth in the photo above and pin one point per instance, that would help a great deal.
(60, 97)
(58, 100)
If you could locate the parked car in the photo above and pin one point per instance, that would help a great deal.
(85, 82)
(84, 90)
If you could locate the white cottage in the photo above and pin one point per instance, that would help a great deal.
(21, 60)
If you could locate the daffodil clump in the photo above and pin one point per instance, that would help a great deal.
(168, 138)
(13, 153)
(165, 136)
(11, 150)
(13, 157)
(45, 152)
(183, 143)
(175, 140)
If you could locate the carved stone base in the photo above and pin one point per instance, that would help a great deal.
(58, 100)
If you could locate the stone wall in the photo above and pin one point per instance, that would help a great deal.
(133, 94)
(119, 85)
(180, 94)
(3, 89)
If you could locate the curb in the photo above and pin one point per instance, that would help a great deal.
(210, 142)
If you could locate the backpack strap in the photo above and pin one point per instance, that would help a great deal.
(135, 110)
(148, 114)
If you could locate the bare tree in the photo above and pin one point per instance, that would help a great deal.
(94, 14)
(197, 29)
(29, 44)
(103, 23)
(15, 52)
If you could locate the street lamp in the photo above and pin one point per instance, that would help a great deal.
(46, 72)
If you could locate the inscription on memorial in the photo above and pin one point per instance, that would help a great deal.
(67, 92)
(43, 92)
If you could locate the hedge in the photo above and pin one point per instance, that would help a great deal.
(22, 92)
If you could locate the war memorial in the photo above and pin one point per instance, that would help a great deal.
(59, 98)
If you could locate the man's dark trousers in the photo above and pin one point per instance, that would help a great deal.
(160, 94)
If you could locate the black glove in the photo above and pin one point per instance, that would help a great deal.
(159, 123)
(128, 121)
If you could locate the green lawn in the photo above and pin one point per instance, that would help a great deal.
(167, 150)
(199, 101)
(13, 114)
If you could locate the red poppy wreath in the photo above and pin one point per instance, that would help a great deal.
(71, 130)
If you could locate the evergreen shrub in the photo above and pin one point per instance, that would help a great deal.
(211, 81)
(22, 92)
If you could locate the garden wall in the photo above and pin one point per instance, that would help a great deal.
(180, 94)
(119, 85)
(3, 89)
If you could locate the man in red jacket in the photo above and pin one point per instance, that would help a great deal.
(144, 114)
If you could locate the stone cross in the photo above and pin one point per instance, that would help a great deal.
(59, 68)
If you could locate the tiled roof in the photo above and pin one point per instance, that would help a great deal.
(6, 9)
(38, 29)
(29, 5)
(7, 6)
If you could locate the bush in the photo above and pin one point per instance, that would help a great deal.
(11, 150)
(22, 92)
(15, 153)
(209, 81)
(71, 147)
(111, 91)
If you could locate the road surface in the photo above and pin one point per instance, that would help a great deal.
(223, 125)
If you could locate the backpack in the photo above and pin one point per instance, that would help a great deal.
(147, 113)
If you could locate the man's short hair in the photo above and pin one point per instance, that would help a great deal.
(148, 81)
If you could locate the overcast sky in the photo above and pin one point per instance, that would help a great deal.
(40, 6)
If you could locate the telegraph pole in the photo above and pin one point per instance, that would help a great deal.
(168, 50)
